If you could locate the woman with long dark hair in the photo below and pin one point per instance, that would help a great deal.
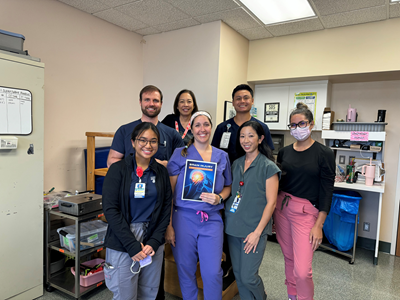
(137, 204)
(249, 210)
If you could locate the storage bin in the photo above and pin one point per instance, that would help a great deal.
(90, 279)
(92, 234)
(359, 126)
(340, 222)
(10, 41)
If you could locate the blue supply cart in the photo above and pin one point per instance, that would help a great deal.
(340, 227)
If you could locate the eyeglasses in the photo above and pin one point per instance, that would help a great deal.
(143, 142)
(301, 124)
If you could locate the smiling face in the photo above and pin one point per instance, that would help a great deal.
(249, 139)
(150, 103)
(201, 129)
(146, 145)
(242, 101)
(185, 105)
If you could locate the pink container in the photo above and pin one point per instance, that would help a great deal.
(94, 278)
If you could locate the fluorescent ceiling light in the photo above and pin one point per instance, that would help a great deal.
(277, 11)
(394, 0)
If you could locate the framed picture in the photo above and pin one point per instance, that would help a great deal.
(229, 110)
(271, 112)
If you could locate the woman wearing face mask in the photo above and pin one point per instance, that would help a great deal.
(196, 229)
(185, 106)
(249, 210)
(303, 202)
(137, 204)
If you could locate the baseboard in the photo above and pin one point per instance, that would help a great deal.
(369, 244)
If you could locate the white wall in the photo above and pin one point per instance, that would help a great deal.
(93, 74)
(184, 59)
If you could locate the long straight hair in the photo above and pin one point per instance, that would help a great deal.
(263, 147)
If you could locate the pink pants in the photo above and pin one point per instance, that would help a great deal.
(294, 217)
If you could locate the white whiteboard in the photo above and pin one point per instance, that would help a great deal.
(15, 111)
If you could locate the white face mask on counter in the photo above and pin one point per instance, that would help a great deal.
(301, 134)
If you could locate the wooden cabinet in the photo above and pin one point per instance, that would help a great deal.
(284, 94)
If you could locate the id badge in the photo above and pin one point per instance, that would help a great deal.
(235, 203)
(226, 136)
(140, 190)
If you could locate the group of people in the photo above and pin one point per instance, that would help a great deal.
(144, 205)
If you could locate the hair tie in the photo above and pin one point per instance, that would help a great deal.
(186, 146)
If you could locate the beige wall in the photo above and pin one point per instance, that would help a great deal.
(93, 71)
(233, 58)
(184, 59)
(370, 47)
(368, 98)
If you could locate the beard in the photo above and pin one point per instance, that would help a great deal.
(152, 114)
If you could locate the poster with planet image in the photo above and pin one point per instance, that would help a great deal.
(199, 178)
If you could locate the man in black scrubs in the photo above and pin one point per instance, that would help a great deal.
(225, 139)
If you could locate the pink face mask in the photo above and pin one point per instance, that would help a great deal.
(301, 134)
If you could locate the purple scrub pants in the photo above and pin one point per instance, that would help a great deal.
(198, 237)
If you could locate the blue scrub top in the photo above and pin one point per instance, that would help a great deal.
(221, 128)
(176, 166)
(142, 208)
(169, 140)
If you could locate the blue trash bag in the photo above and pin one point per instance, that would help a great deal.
(339, 224)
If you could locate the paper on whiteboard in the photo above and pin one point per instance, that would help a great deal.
(310, 99)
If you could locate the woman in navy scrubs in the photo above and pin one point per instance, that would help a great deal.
(137, 205)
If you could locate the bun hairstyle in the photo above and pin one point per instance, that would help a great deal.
(194, 116)
(302, 109)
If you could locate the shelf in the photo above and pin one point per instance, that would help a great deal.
(354, 150)
(56, 246)
(92, 215)
(361, 187)
(379, 136)
(65, 282)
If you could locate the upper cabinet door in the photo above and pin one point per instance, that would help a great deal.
(265, 99)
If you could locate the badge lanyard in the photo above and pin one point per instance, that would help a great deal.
(226, 136)
(238, 197)
(139, 186)
(186, 131)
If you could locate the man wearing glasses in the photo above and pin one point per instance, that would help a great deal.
(150, 103)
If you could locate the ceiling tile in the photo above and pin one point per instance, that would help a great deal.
(394, 10)
(177, 25)
(89, 6)
(153, 12)
(147, 31)
(355, 17)
(115, 3)
(294, 27)
(202, 7)
(115, 17)
(255, 33)
(237, 18)
(329, 7)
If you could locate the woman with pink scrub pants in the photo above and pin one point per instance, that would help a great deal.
(304, 200)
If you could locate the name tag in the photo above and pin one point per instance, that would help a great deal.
(140, 190)
(235, 203)
(226, 136)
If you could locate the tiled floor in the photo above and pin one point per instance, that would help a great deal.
(334, 278)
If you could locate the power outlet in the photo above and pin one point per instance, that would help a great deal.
(366, 226)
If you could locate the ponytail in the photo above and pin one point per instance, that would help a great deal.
(184, 150)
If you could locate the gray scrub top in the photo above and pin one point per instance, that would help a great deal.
(249, 212)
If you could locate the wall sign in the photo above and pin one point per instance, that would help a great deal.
(271, 113)
(15, 111)
(359, 136)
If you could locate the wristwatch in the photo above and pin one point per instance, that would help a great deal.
(220, 199)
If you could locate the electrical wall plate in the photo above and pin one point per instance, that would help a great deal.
(8, 142)
(342, 159)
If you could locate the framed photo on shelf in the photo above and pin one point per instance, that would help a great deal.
(271, 112)
(229, 110)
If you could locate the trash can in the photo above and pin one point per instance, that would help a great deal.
(340, 222)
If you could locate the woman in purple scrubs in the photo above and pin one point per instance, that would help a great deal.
(196, 228)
